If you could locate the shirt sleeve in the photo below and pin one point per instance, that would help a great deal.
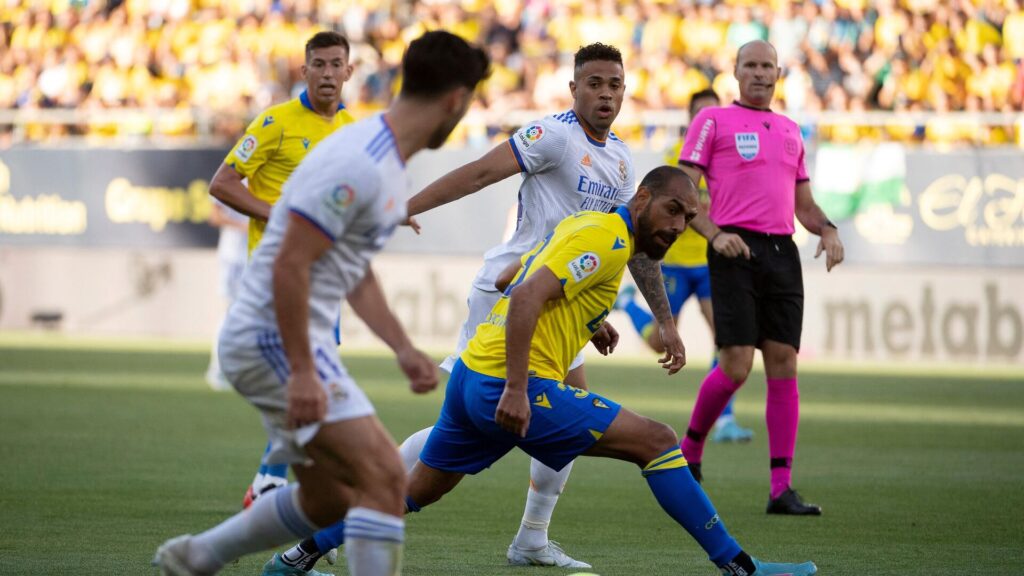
(332, 205)
(541, 145)
(629, 186)
(801, 167)
(261, 140)
(585, 259)
(700, 137)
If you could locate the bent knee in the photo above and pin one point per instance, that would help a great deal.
(657, 439)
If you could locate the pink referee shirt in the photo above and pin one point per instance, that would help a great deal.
(752, 160)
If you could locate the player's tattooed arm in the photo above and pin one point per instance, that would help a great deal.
(647, 275)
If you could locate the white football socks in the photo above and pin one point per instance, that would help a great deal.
(545, 487)
(373, 542)
(411, 448)
(271, 521)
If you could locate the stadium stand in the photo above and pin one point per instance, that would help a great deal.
(943, 72)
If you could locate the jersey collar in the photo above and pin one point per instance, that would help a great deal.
(627, 217)
(755, 108)
(304, 98)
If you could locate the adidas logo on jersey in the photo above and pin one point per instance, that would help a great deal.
(586, 160)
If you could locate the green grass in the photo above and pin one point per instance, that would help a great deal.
(108, 451)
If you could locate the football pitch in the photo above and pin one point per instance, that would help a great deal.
(109, 450)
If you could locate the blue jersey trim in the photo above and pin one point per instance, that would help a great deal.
(310, 219)
(627, 217)
(304, 98)
(394, 141)
(519, 158)
(597, 143)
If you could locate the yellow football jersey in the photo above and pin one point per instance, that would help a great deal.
(690, 249)
(274, 144)
(588, 252)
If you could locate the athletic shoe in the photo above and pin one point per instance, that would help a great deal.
(783, 569)
(276, 567)
(172, 557)
(332, 556)
(262, 484)
(624, 298)
(695, 471)
(550, 555)
(789, 502)
(732, 432)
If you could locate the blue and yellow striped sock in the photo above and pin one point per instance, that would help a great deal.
(684, 500)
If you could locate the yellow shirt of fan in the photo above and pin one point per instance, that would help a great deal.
(588, 252)
(274, 144)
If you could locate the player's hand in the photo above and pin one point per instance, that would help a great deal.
(675, 353)
(307, 401)
(832, 246)
(411, 222)
(513, 413)
(419, 368)
(605, 339)
(730, 245)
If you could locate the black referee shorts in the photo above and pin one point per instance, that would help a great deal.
(761, 298)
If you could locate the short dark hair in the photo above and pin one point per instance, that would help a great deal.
(326, 40)
(658, 179)
(596, 51)
(705, 93)
(438, 61)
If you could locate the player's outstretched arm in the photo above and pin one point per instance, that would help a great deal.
(303, 243)
(647, 275)
(227, 187)
(526, 302)
(496, 165)
(369, 303)
(814, 220)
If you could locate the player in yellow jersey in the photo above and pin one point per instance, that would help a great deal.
(685, 269)
(507, 389)
(252, 174)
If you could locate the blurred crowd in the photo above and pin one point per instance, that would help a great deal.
(217, 63)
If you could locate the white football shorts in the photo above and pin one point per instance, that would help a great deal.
(253, 360)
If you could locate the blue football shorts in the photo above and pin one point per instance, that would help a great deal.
(681, 282)
(564, 423)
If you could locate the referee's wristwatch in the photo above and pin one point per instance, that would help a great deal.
(831, 224)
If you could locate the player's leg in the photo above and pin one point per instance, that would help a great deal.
(726, 428)
(531, 545)
(781, 327)
(734, 293)
(715, 392)
(652, 446)
(301, 558)
(782, 415)
(361, 452)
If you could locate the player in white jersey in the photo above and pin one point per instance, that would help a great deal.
(231, 258)
(570, 162)
(277, 349)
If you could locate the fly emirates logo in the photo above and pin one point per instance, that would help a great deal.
(597, 195)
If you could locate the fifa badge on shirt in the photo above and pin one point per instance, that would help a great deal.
(747, 145)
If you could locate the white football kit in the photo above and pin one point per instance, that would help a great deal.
(352, 187)
(565, 170)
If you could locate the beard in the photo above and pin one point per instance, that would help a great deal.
(646, 235)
